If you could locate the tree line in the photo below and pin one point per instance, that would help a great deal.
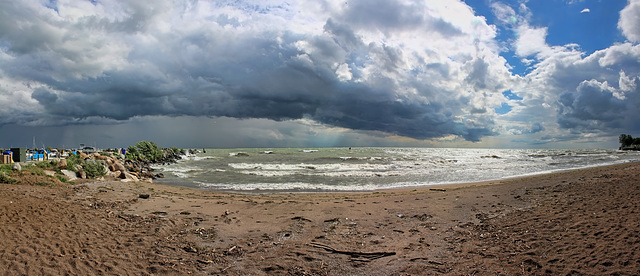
(628, 142)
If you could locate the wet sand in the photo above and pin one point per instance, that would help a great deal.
(577, 222)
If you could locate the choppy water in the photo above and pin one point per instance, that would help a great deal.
(367, 169)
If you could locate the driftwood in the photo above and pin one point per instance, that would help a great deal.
(355, 255)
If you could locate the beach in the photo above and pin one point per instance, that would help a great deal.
(582, 222)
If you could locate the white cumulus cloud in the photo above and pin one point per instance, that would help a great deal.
(630, 21)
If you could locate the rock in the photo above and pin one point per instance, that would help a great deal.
(143, 196)
(70, 175)
(83, 156)
(49, 173)
(80, 170)
(117, 174)
(111, 160)
(129, 177)
(62, 164)
(160, 175)
(132, 166)
(119, 167)
(16, 167)
(148, 175)
(190, 249)
(101, 157)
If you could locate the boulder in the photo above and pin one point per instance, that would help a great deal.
(101, 157)
(129, 177)
(119, 167)
(16, 167)
(83, 156)
(148, 175)
(62, 164)
(80, 170)
(69, 175)
(111, 160)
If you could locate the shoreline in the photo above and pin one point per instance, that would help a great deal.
(428, 186)
(103, 227)
(277, 173)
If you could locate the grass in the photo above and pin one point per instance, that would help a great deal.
(6, 179)
(44, 183)
(61, 178)
(51, 165)
(6, 168)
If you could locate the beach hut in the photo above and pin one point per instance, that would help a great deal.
(7, 157)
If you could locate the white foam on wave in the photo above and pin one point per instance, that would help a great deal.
(401, 168)
(182, 172)
(305, 187)
(331, 169)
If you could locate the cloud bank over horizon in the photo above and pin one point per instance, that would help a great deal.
(424, 70)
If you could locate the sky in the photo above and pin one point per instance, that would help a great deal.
(275, 73)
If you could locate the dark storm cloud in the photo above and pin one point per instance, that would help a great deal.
(114, 67)
(590, 105)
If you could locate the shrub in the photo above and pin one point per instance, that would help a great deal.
(132, 153)
(94, 169)
(73, 160)
(145, 150)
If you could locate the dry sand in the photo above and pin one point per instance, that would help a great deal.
(577, 222)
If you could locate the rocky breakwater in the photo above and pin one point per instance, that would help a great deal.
(129, 168)
(141, 168)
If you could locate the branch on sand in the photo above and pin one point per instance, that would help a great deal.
(355, 255)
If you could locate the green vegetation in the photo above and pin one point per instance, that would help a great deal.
(44, 183)
(144, 150)
(6, 168)
(628, 142)
(91, 167)
(6, 179)
(174, 151)
(94, 169)
(62, 178)
(72, 161)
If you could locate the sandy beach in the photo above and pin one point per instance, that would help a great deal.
(581, 222)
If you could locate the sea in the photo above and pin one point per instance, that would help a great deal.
(278, 170)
